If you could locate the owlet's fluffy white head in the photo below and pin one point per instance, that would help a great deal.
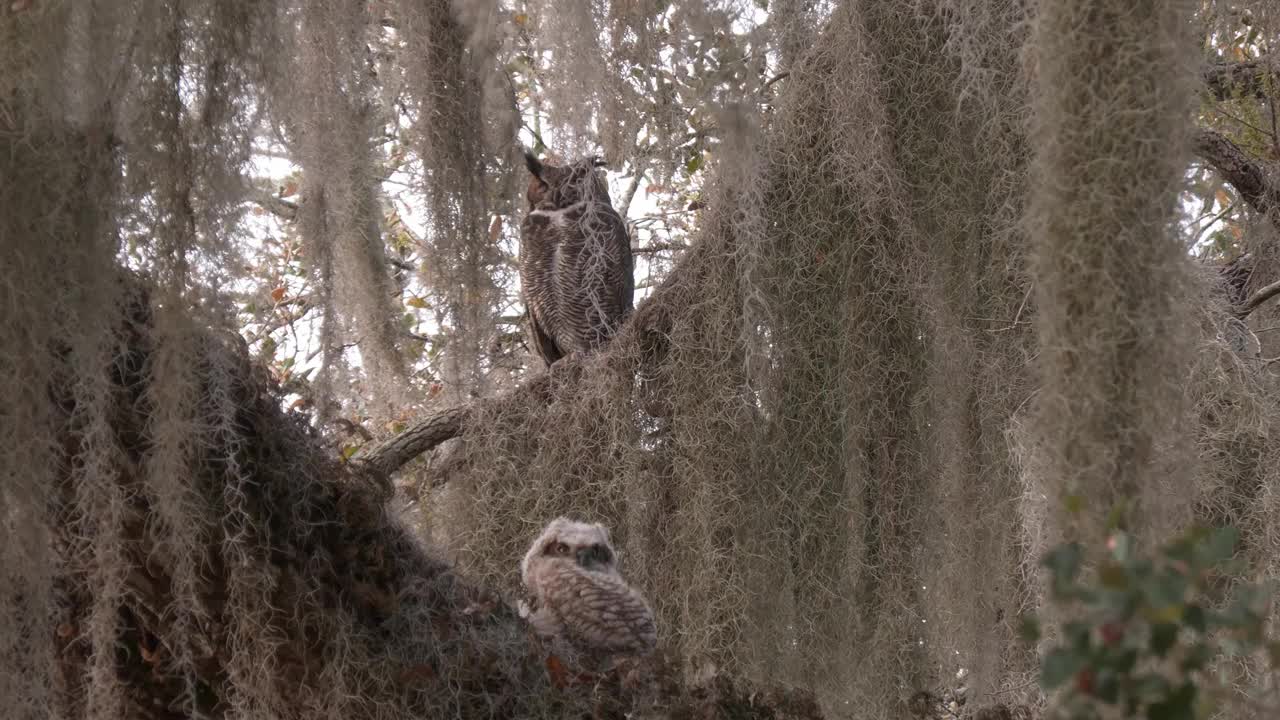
(575, 542)
(580, 599)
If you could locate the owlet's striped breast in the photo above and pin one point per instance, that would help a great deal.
(580, 597)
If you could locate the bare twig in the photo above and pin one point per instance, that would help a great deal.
(775, 79)
(1213, 221)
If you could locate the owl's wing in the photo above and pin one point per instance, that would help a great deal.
(545, 623)
(624, 281)
(543, 343)
(538, 241)
(602, 613)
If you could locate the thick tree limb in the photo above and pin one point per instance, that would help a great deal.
(648, 325)
(1255, 186)
(1225, 81)
(1247, 79)
(1261, 192)
(389, 455)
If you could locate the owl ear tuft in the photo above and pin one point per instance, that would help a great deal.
(533, 163)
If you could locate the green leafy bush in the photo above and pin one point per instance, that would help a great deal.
(1148, 628)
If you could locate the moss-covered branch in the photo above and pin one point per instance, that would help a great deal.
(305, 580)
(649, 325)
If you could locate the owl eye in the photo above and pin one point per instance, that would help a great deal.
(558, 548)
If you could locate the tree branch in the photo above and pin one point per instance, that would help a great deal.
(775, 78)
(284, 209)
(391, 454)
(327, 557)
(1255, 186)
(1245, 175)
(649, 325)
(641, 167)
(1259, 297)
(1248, 79)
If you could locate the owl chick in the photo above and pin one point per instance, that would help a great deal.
(576, 269)
(579, 597)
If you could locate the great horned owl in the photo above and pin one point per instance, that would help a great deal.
(576, 270)
(579, 596)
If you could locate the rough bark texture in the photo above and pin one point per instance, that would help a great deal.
(1246, 175)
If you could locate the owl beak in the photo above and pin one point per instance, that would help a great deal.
(589, 557)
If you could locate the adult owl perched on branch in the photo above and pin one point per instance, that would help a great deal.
(576, 270)
(580, 598)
